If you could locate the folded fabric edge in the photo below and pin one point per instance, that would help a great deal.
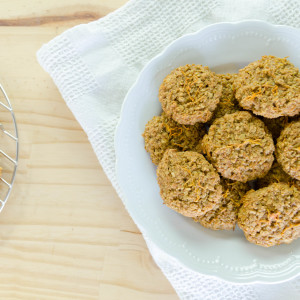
(56, 39)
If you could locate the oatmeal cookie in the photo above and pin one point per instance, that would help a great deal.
(228, 104)
(288, 149)
(239, 146)
(162, 133)
(188, 183)
(190, 94)
(271, 215)
(224, 215)
(269, 87)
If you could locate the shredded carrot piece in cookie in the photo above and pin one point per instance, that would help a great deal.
(188, 84)
(268, 213)
(232, 183)
(277, 179)
(264, 221)
(255, 142)
(253, 96)
(249, 202)
(178, 145)
(199, 187)
(173, 131)
(226, 193)
(227, 102)
(176, 133)
(271, 217)
(187, 170)
(167, 127)
(191, 177)
(250, 141)
(186, 128)
(289, 227)
(275, 89)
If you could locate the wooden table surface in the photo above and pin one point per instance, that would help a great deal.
(64, 232)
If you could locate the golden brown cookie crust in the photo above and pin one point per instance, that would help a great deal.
(271, 215)
(269, 87)
(224, 215)
(162, 133)
(239, 146)
(188, 183)
(190, 94)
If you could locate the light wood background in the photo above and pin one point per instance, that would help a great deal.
(64, 233)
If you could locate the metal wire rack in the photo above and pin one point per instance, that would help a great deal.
(9, 149)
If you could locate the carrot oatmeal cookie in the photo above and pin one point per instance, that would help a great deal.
(228, 104)
(269, 87)
(239, 146)
(224, 215)
(288, 149)
(188, 183)
(275, 175)
(162, 133)
(190, 94)
(271, 215)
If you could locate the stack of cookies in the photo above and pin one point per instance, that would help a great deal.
(227, 148)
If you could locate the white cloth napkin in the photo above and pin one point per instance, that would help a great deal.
(94, 65)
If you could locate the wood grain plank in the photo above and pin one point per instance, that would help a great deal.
(64, 233)
(84, 16)
(54, 13)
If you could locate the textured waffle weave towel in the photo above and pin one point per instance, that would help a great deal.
(94, 65)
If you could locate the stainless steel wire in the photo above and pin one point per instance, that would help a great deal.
(15, 138)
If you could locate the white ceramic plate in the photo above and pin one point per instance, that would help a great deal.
(224, 47)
